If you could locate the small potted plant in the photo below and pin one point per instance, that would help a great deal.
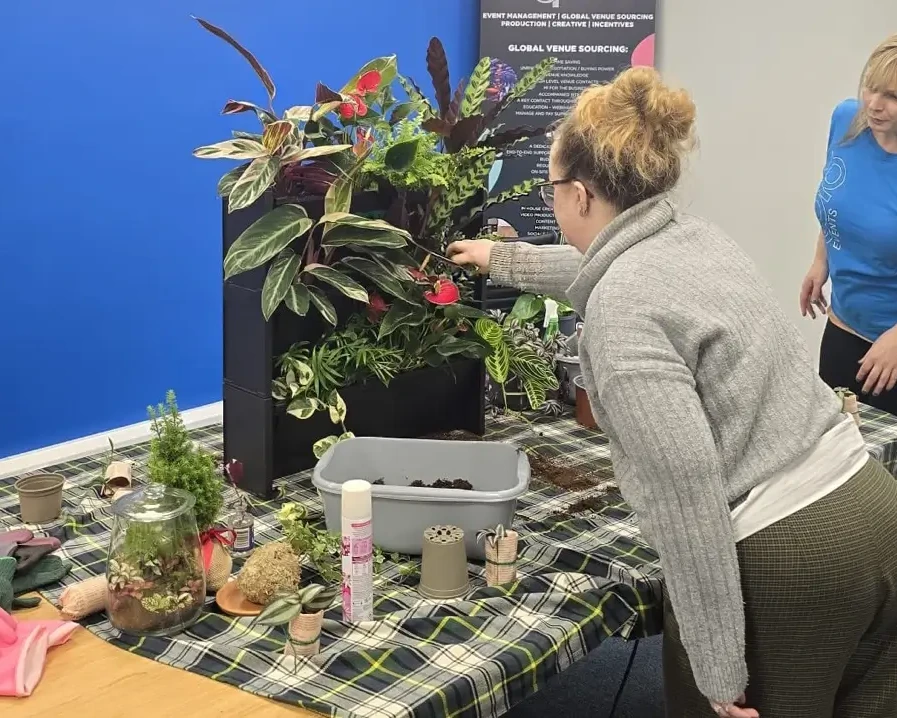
(849, 403)
(501, 555)
(302, 611)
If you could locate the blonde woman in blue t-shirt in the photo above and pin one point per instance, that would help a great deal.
(856, 205)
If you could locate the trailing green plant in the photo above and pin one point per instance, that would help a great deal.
(176, 462)
(519, 354)
(287, 605)
(388, 341)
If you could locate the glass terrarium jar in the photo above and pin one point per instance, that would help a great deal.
(156, 585)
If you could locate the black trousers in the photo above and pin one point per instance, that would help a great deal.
(839, 362)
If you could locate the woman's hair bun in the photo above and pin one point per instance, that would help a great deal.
(629, 136)
(640, 95)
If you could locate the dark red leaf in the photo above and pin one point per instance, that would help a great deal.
(437, 65)
(455, 105)
(324, 94)
(250, 58)
(465, 133)
(440, 127)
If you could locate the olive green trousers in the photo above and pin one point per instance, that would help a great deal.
(820, 592)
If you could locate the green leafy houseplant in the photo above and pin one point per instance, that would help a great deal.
(174, 461)
(383, 284)
(520, 356)
(288, 605)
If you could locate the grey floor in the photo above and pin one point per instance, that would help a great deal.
(587, 689)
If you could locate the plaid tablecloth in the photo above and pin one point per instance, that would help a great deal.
(581, 580)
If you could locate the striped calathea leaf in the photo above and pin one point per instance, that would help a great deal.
(279, 281)
(265, 238)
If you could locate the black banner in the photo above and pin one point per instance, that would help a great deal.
(593, 40)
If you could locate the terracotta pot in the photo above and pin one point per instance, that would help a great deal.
(305, 635)
(501, 560)
(583, 408)
(40, 497)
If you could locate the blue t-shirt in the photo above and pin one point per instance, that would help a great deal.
(856, 205)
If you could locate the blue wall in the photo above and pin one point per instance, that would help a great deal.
(110, 279)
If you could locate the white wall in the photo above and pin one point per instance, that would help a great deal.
(765, 77)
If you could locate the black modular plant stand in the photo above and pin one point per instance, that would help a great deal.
(257, 430)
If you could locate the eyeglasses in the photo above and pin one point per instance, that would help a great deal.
(546, 190)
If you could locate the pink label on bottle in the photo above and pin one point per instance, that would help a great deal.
(358, 571)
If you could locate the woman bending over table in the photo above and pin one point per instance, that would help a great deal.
(776, 531)
(856, 205)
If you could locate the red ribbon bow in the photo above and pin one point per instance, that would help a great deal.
(209, 538)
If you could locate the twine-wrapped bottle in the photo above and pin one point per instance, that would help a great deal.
(305, 635)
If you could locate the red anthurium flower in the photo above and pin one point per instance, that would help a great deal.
(377, 307)
(354, 106)
(369, 82)
(444, 292)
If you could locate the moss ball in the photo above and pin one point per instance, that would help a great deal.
(271, 568)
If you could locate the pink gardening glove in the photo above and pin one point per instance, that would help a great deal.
(23, 651)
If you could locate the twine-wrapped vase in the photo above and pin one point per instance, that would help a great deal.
(305, 635)
(220, 567)
(501, 560)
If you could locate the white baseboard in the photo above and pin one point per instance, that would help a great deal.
(121, 437)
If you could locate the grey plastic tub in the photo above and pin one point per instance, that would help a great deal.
(498, 472)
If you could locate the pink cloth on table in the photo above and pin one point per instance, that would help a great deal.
(23, 651)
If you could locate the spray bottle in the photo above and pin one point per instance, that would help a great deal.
(357, 552)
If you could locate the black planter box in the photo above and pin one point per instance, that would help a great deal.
(272, 444)
(258, 431)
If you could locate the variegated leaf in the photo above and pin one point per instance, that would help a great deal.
(253, 183)
(301, 408)
(275, 134)
(323, 305)
(337, 219)
(227, 182)
(344, 283)
(236, 149)
(300, 113)
(342, 236)
(297, 299)
(339, 196)
(322, 446)
(265, 238)
(336, 407)
(401, 314)
(324, 109)
(298, 154)
(278, 281)
(384, 279)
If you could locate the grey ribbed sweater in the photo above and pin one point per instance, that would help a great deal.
(704, 389)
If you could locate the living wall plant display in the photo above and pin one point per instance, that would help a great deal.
(380, 281)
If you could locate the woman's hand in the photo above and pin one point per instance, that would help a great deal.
(475, 252)
(734, 710)
(811, 291)
(878, 369)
